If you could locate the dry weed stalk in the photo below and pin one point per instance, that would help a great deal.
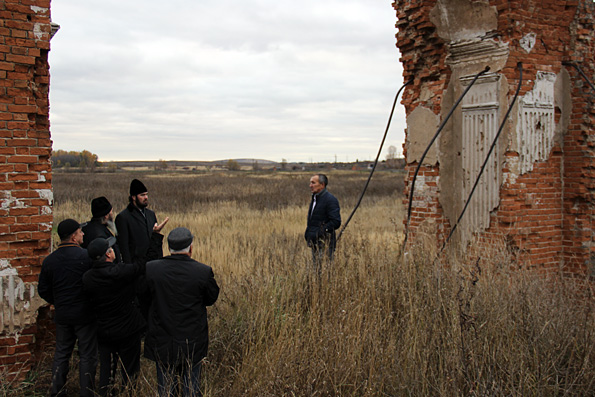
(372, 324)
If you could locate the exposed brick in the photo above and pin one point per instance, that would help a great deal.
(549, 212)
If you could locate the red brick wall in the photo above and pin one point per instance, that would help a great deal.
(25, 174)
(422, 54)
(579, 177)
(545, 215)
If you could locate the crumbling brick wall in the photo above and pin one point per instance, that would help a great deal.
(25, 176)
(579, 148)
(537, 195)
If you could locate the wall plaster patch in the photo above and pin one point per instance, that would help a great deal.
(536, 127)
(18, 300)
(528, 42)
(480, 119)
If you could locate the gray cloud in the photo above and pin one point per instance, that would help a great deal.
(209, 80)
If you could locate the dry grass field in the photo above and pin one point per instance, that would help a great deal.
(376, 322)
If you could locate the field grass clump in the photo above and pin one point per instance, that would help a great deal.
(374, 322)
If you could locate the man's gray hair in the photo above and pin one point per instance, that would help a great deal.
(182, 251)
(322, 179)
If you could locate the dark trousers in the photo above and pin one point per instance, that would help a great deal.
(123, 353)
(189, 376)
(66, 337)
(321, 250)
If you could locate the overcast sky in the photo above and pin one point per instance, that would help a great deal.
(215, 79)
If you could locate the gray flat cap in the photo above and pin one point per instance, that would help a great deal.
(98, 247)
(179, 238)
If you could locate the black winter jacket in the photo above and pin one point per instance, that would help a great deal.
(134, 232)
(180, 290)
(61, 284)
(95, 229)
(325, 219)
(111, 289)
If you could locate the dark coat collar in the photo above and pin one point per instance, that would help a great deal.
(320, 193)
(99, 265)
(179, 257)
(64, 245)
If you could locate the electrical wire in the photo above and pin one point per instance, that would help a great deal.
(377, 157)
(423, 156)
(574, 65)
(452, 230)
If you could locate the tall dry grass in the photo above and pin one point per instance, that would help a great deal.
(375, 322)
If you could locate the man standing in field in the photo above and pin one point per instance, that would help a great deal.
(120, 323)
(136, 223)
(178, 337)
(101, 224)
(61, 284)
(324, 217)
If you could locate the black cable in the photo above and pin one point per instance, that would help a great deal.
(377, 157)
(423, 156)
(574, 65)
(520, 66)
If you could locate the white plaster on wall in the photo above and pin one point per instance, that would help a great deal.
(46, 194)
(10, 201)
(421, 126)
(480, 120)
(424, 193)
(513, 165)
(536, 128)
(528, 42)
(18, 300)
(39, 10)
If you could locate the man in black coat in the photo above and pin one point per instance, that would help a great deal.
(101, 224)
(324, 217)
(178, 337)
(61, 284)
(136, 224)
(111, 288)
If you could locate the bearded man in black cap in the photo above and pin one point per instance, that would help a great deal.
(178, 336)
(101, 224)
(136, 224)
(61, 284)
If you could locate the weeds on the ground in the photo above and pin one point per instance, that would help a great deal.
(374, 322)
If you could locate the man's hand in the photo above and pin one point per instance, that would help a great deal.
(157, 227)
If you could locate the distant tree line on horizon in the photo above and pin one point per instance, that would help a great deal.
(86, 161)
(73, 159)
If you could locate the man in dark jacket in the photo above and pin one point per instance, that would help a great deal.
(136, 224)
(177, 337)
(60, 283)
(324, 217)
(101, 224)
(120, 323)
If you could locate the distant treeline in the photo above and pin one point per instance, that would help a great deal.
(84, 159)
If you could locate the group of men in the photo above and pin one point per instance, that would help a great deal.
(110, 286)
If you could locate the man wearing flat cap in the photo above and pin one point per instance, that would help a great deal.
(61, 284)
(136, 224)
(111, 288)
(177, 337)
(101, 224)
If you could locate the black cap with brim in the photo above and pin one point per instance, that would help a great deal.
(98, 247)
